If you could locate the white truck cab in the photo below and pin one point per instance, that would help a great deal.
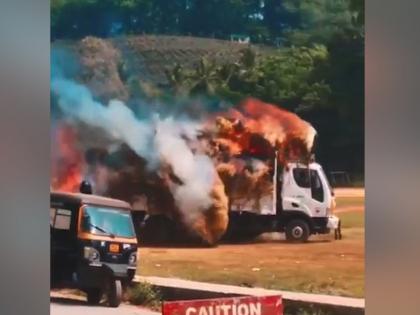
(306, 189)
(307, 201)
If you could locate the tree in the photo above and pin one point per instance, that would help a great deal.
(178, 80)
(216, 18)
(204, 79)
(278, 19)
(317, 20)
(290, 77)
(358, 8)
(102, 18)
(79, 18)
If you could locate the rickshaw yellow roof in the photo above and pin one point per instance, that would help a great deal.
(92, 199)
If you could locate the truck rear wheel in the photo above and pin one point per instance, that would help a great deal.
(114, 293)
(297, 231)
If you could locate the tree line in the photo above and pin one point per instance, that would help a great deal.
(262, 20)
(317, 70)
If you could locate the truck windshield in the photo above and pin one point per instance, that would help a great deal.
(107, 221)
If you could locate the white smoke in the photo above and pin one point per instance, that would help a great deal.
(116, 119)
(159, 141)
(196, 171)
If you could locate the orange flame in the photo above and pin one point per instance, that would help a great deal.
(258, 128)
(67, 160)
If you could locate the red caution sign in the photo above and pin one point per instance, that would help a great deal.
(249, 305)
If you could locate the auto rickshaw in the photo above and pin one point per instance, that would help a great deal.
(93, 245)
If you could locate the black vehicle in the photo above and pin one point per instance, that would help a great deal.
(93, 245)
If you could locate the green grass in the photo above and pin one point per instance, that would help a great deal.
(353, 219)
(320, 266)
(144, 294)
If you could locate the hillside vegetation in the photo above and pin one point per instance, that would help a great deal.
(149, 56)
(312, 64)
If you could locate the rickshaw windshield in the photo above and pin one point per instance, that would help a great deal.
(107, 221)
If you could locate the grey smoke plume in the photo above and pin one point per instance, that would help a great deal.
(196, 171)
(161, 142)
(116, 119)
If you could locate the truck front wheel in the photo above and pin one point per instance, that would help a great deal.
(297, 231)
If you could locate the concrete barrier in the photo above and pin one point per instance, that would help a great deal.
(178, 289)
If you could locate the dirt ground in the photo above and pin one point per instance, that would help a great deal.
(349, 192)
(322, 265)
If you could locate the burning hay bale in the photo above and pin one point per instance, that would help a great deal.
(248, 183)
(260, 129)
(211, 224)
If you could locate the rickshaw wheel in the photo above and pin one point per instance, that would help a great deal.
(94, 296)
(114, 293)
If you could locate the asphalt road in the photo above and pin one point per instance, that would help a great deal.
(75, 306)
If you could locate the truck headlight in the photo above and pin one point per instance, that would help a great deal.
(132, 259)
(91, 254)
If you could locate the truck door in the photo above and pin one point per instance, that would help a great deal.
(296, 191)
(318, 194)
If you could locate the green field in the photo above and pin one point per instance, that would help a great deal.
(353, 219)
(323, 265)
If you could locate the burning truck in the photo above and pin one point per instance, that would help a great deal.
(232, 174)
(267, 172)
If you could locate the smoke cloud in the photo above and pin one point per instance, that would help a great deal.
(115, 119)
(195, 171)
(162, 142)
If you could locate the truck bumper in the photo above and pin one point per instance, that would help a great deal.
(325, 224)
(333, 222)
